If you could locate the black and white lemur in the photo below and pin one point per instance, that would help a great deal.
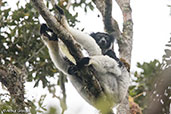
(113, 79)
(106, 43)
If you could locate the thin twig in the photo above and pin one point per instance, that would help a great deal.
(36, 53)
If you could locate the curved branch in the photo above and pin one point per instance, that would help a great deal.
(125, 8)
(154, 100)
(110, 24)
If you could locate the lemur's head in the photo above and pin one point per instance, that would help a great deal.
(104, 40)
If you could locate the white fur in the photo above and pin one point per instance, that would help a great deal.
(86, 41)
(56, 55)
(105, 64)
(114, 80)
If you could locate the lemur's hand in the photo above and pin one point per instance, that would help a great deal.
(72, 70)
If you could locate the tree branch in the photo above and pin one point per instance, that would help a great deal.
(157, 101)
(61, 32)
(13, 79)
(110, 24)
(125, 44)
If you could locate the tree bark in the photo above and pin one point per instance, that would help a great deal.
(13, 79)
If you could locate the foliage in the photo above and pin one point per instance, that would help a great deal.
(52, 110)
(33, 109)
(21, 44)
(167, 55)
(20, 41)
(151, 73)
(84, 4)
(144, 80)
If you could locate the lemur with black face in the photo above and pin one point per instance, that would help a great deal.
(106, 42)
(113, 79)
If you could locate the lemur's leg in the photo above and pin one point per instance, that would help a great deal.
(51, 41)
(46, 31)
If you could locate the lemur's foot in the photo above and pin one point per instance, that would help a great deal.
(72, 70)
(126, 64)
(83, 62)
(46, 31)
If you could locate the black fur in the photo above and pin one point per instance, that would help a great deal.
(60, 10)
(80, 64)
(44, 29)
(73, 69)
(83, 62)
(112, 54)
(104, 40)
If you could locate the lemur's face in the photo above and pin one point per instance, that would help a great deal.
(103, 40)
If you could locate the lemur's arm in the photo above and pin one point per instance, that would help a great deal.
(85, 40)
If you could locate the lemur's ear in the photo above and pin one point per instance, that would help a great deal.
(93, 34)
